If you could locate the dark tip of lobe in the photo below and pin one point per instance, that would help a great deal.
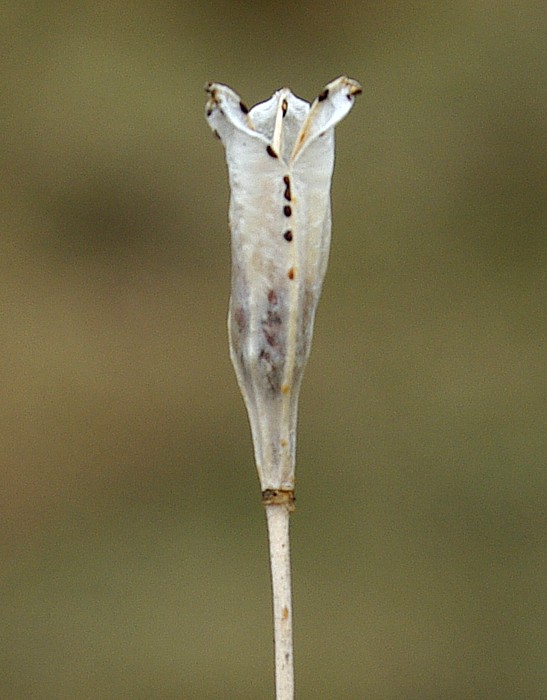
(270, 151)
(323, 95)
(243, 107)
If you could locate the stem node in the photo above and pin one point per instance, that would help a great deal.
(279, 497)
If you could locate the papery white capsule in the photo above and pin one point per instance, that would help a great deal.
(280, 157)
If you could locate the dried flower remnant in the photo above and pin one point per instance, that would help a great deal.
(280, 156)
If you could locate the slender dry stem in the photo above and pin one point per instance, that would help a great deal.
(280, 561)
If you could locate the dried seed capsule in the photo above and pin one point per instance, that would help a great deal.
(274, 160)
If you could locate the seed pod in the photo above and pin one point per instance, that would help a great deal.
(280, 157)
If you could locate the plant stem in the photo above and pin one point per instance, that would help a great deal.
(280, 561)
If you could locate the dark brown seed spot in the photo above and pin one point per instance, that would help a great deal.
(287, 210)
(287, 193)
(291, 273)
(288, 236)
(243, 107)
(350, 97)
(284, 107)
(270, 151)
(209, 112)
(323, 95)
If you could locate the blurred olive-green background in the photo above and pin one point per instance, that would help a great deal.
(133, 560)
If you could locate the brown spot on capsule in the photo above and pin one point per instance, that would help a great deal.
(291, 273)
(272, 321)
(287, 210)
(270, 151)
(209, 112)
(288, 236)
(243, 107)
(283, 443)
(284, 107)
(323, 95)
(285, 613)
(240, 319)
(285, 388)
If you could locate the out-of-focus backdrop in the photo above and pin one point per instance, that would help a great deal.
(133, 560)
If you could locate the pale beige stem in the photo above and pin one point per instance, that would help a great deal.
(280, 561)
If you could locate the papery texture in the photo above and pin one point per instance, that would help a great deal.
(280, 157)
